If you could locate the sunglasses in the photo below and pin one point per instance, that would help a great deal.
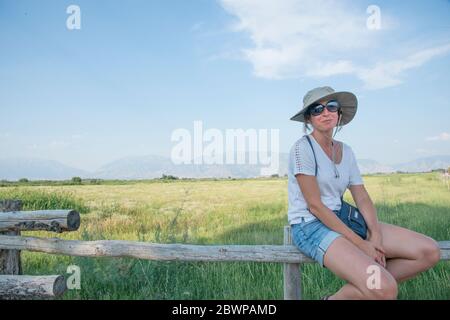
(317, 109)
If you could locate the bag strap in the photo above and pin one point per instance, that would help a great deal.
(315, 161)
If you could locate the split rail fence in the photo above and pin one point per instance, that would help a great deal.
(14, 285)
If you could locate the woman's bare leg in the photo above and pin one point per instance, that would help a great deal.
(417, 251)
(408, 252)
(348, 292)
(356, 273)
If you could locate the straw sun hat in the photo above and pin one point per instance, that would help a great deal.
(347, 100)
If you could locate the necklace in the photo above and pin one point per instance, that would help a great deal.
(336, 172)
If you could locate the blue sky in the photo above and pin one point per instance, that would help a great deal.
(138, 70)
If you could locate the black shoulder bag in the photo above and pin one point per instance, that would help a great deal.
(349, 214)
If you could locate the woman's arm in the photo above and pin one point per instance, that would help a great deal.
(366, 207)
(311, 193)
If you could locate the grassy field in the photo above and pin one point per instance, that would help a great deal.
(250, 211)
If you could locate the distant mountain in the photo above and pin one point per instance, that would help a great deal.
(368, 166)
(37, 169)
(154, 167)
(424, 164)
(144, 167)
(149, 167)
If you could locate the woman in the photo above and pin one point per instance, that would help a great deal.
(390, 253)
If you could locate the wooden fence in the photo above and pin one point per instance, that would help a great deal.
(13, 285)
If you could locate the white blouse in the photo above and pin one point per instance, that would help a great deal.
(301, 160)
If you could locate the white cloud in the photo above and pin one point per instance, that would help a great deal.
(294, 37)
(387, 74)
(444, 136)
(318, 38)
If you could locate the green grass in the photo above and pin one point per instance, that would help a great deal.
(212, 211)
(39, 200)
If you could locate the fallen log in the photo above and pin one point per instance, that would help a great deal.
(19, 287)
(48, 220)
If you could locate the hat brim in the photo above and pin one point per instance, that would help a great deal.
(347, 100)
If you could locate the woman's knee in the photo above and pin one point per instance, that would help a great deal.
(430, 252)
(385, 289)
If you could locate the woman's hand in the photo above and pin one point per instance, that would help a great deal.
(373, 250)
(375, 238)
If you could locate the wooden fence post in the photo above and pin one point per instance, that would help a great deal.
(10, 259)
(292, 273)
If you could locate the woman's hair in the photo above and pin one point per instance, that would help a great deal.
(307, 117)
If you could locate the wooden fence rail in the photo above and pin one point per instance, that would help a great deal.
(287, 254)
(156, 251)
(167, 252)
(14, 285)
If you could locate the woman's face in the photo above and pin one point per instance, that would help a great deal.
(325, 121)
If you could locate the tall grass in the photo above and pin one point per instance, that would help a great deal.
(41, 200)
(219, 212)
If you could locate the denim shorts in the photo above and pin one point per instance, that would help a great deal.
(313, 238)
